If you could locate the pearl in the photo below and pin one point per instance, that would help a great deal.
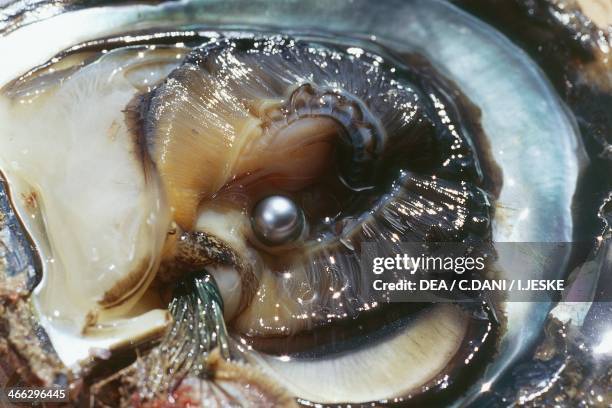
(277, 220)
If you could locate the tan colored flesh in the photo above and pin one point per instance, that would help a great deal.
(600, 11)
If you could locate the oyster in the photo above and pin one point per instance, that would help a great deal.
(134, 162)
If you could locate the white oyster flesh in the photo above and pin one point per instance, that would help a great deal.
(94, 212)
(402, 362)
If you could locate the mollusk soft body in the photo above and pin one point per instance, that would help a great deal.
(157, 154)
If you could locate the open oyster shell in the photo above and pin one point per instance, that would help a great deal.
(191, 128)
